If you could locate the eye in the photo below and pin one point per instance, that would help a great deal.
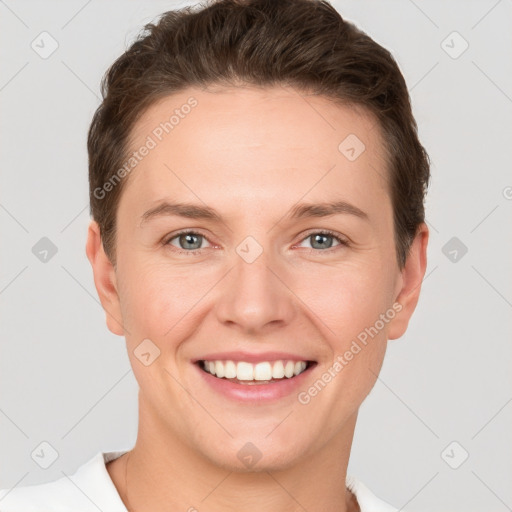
(321, 241)
(188, 242)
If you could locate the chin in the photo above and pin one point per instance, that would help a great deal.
(260, 455)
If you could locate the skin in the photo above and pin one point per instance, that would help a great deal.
(252, 154)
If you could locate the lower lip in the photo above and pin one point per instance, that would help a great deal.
(267, 393)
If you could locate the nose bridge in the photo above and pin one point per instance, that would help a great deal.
(253, 296)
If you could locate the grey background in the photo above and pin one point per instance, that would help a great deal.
(66, 380)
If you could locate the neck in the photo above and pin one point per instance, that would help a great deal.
(164, 473)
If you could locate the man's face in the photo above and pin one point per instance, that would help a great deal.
(260, 279)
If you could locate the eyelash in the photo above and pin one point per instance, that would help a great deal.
(342, 242)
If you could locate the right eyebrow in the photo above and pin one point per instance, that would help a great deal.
(188, 210)
(302, 210)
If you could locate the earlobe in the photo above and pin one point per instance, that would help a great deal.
(411, 280)
(104, 279)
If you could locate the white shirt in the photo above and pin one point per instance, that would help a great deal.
(90, 489)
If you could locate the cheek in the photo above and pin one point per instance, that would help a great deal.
(354, 313)
(347, 300)
(161, 300)
(156, 307)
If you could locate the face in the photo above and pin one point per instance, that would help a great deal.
(257, 276)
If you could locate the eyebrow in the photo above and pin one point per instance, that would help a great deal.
(299, 211)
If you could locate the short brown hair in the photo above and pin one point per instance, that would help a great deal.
(302, 43)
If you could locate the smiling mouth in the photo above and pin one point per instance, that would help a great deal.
(265, 372)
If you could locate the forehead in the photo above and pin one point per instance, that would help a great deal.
(255, 143)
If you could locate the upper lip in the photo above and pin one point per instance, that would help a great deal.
(251, 357)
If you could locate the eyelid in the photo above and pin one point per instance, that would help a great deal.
(342, 239)
(196, 231)
(330, 232)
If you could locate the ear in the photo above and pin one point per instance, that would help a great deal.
(104, 279)
(409, 283)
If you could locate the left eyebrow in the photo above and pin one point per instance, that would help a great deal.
(300, 211)
(304, 210)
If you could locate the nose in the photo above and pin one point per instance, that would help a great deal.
(254, 296)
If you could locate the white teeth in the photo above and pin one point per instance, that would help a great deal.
(219, 369)
(288, 369)
(244, 371)
(230, 370)
(278, 370)
(263, 371)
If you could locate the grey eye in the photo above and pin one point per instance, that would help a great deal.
(187, 241)
(321, 240)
